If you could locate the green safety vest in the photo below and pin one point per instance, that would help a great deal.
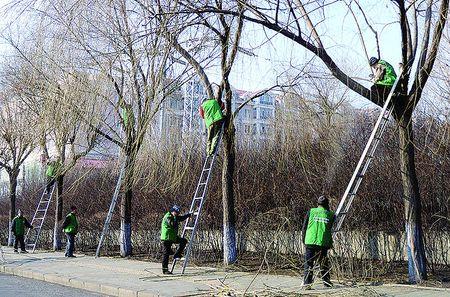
(52, 169)
(212, 112)
(19, 225)
(169, 227)
(318, 231)
(72, 227)
(389, 76)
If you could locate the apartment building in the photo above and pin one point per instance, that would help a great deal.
(179, 117)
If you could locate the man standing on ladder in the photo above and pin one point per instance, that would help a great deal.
(18, 229)
(51, 173)
(70, 227)
(383, 78)
(169, 236)
(212, 112)
(318, 240)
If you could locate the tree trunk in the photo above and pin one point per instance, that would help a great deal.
(125, 209)
(57, 232)
(229, 217)
(13, 174)
(417, 269)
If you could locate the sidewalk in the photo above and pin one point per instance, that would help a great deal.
(122, 277)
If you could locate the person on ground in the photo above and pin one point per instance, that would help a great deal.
(18, 225)
(212, 112)
(70, 227)
(318, 240)
(169, 236)
(53, 167)
(384, 77)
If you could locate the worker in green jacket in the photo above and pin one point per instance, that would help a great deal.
(18, 225)
(318, 240)
(169, 236)
(70, 227)
(53, 166)
(383, 78)
(212, 112)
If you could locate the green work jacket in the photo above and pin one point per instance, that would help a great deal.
(18, 226)
(318, 230)
(52, 169)
(389, 76)
(212, 112)
(169, 227)
(70, 224)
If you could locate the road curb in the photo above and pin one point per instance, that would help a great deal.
(75, 283)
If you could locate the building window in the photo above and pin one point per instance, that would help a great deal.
(266, 99)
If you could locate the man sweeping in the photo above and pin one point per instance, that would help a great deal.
(212, 112)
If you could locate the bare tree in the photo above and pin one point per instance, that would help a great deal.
(17, 141)
(296, 21)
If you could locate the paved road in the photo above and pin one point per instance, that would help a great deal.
(24, 287)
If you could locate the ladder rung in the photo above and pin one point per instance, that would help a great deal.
(207, 169)
(41, 209)
(188, 228)
(198, 198)
(195, 213)
(201, 184)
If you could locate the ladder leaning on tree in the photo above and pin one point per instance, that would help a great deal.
(190, 226)
(365, 159)
(32, 237)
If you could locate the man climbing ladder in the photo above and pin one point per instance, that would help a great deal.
(211, 112)
(383, 78)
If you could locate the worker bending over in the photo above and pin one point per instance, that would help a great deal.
(383, 78)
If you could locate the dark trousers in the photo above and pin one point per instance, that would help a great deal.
(313, 255)
(19, 239)
(70, 244)
(213, 137)
(50, 183)
(379, 94)
(167, 251)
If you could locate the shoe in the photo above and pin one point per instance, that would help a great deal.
(306, 286)
(166, 272)
(71, 256)
(16, 251)
(24, 252)
(328, 284)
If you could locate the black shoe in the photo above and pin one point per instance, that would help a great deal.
(167, 272)
(71, 256)
(328, 284)
(16, 251)
(23, 252)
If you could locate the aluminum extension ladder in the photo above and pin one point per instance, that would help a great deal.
(364, 161)
(31, 239)
(112, 206)
(197, 203)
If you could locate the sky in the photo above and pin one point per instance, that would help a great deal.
(338, 33)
